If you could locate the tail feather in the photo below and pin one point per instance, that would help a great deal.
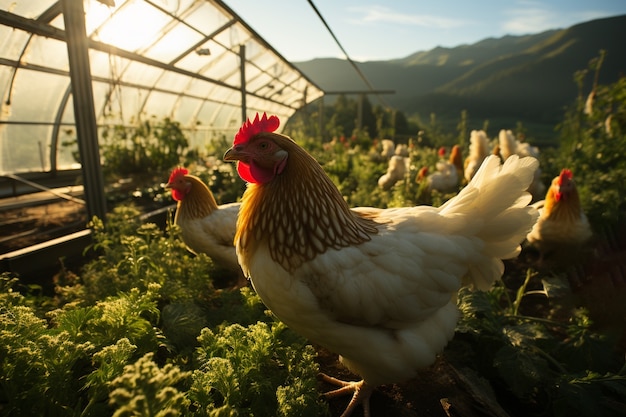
(497, 199)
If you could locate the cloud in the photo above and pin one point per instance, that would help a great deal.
(380, 14)
(533, 17)
(528, 21)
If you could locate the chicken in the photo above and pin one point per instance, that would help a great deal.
(205, 227)
(421, 174)
(442, 155)
(478, 151)
(397, 169)
(388, 149)
(376, 286)
(456, 159)
(445, 179)
(424, 193)
(562, 226)
(402, 149)
(509, 145)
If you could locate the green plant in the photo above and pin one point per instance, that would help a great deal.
(145, 389)
(263, 370)
(128, 335)
(134, 255)
(45, 361)
(593, 136)
(550, 366)
(150, 147)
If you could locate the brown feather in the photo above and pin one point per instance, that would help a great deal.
(198, 202)
(299, 214)
(456, 159)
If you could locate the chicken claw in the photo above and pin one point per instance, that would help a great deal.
(360, 389)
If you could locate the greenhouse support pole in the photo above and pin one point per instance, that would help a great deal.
(242, 70)
(84, 107)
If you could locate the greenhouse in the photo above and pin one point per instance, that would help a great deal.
(190, 225)
(68, 71)
(72, 72)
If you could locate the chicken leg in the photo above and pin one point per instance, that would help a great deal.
(360, 389)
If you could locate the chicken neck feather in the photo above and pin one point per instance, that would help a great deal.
(300, 213)
(566, 208)
(198, 202)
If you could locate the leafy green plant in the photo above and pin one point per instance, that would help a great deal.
(145, 389)
(109, 363)
(549, 366)
(592, 139)
(143, 327)
(44, 361)
(129, 336)
(261, 370)
(131, 255)
(33, 357)
(150, 147)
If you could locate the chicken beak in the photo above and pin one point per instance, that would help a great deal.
(232, 155)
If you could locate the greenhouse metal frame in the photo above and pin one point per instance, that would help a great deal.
(71, 68)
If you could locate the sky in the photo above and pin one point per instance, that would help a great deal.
(382, 30)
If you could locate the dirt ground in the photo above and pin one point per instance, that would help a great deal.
(439, 391)
(26, 226)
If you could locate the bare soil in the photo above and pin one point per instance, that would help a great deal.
(436, 392)
(25, 226)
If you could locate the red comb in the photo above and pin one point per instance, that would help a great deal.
(178, 172)
(442, 151)
(565, 174)
(249, 129)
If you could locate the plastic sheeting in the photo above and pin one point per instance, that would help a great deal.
(149, 59)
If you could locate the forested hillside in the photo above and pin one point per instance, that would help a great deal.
(527, 79)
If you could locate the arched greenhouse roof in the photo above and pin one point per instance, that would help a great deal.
(193, 61)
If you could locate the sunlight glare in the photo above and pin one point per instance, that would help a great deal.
(134, 26)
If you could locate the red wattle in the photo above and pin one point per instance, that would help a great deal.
(177, 195)
(253, 173)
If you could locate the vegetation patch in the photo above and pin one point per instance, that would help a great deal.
(144, 328)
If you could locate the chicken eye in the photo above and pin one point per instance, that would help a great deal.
(264, 145)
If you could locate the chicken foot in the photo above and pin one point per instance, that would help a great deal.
(360, 389)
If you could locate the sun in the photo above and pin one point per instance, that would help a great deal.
(130, 26)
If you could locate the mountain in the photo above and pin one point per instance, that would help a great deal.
(504, 80)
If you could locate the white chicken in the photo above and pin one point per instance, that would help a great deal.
(388, 148)
(399, 164)
(478, 151)
(377, 286)
(397, 169)
(205, 227)
(509, 145)
(445, 179)
(402, 149)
